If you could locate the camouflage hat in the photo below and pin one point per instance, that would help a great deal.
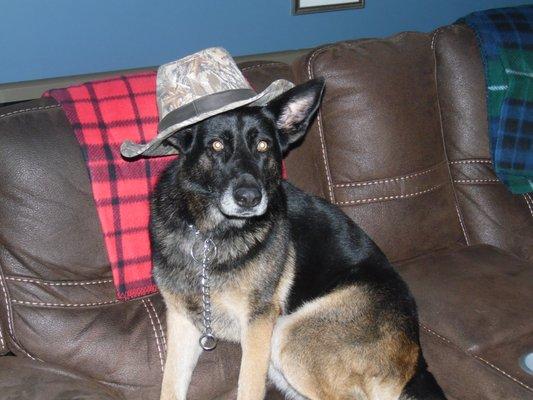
(197, 87)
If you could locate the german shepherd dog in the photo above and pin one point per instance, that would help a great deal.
(313, 301)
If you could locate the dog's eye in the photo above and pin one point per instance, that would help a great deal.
(217, 145)
(262, 146)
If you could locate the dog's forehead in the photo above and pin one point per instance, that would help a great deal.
(239, 122)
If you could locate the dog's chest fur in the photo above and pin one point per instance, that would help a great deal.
(252, 271)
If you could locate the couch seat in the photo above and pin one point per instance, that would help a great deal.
(476, 320)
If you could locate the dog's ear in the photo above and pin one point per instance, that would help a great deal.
(182, 140)
(294, 110)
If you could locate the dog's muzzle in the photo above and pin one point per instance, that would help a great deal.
(244, 198)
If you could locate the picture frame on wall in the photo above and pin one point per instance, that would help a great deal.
(315, 6)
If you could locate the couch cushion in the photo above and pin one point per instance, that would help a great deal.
(377, 141)
(24, 379)
(491, 213)
(475, 315)
(260, 74)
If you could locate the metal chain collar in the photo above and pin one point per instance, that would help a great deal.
(204, 252)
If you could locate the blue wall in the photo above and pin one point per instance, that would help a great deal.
(50, 38)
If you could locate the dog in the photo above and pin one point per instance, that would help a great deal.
(313, 301)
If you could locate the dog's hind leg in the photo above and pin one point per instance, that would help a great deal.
(182, 355)
(293, 380)
(332, 348)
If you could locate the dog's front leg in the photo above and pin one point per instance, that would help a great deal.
(255, 342)
(182, 355)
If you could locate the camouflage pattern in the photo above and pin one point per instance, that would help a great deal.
(198, 75)
(183, 81)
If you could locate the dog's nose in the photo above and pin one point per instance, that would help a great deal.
(247, 197)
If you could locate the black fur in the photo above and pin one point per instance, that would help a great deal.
(422, 385)
(331, 250)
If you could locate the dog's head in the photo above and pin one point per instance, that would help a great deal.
(234, 159)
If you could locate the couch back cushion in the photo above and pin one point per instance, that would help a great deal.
(377, 145)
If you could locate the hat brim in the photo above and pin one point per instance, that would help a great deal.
(156, 147)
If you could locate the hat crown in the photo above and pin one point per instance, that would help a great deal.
(200, 74)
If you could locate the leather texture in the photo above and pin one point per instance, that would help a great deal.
(475, 319)
(25, 379)
(491, 214)
(400, 144)
(378, 141)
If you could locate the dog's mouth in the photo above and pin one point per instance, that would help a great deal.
(243, 202)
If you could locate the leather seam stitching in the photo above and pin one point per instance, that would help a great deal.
(473, 181)
(64, 305)
(444, 339)
(529, 202)
(471, 161)
(454, 193)
(10, 325)
(163, 338)
(320, 129)
(2, 343)
(12, 113)
(7, 311)
(388, 180)
(261, 65)
(155, 334)
(44, 283)
(434, 37)
(392, 197)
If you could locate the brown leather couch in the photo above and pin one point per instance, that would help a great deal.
(400, 144)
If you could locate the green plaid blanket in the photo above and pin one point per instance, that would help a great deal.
(505, 37)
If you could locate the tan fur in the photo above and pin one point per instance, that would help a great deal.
(255, 343)
(183, 350)
(257, 337)
(323, 355)
(287, 278)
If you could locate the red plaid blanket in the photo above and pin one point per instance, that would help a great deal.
(104, 114)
